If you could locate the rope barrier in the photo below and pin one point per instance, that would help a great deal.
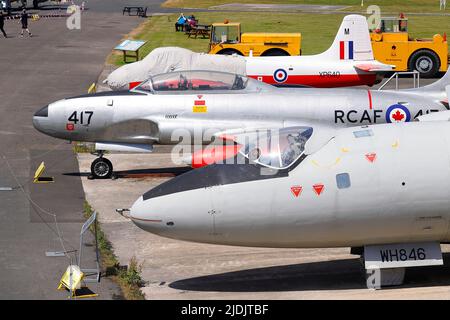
(57, 231)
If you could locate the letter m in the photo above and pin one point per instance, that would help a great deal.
(346, 31)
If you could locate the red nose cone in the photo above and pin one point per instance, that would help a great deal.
(214, 155)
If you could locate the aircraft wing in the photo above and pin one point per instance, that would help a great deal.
(144, 134)
(374, 67)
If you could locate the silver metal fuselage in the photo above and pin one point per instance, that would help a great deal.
(145, 118)
(400, 195)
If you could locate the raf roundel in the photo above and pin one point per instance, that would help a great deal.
(397, 113)
(280, 75)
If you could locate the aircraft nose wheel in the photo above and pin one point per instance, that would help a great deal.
(101, 168)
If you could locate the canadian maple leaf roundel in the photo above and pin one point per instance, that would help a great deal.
(398, 113)
(398, 116)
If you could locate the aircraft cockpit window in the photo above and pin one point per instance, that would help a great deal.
(182, 81)
(278, 149)
(145, 86)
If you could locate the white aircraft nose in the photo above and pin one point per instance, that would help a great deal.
(175, 209)
(144, 215)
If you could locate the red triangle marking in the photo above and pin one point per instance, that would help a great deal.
(318, 188)
(296, 190)
(371, 157)
(199, 96)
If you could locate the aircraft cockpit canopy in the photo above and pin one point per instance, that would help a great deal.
(201, 81)
(277, 149)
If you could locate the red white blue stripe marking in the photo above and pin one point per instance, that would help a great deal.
(346, 50)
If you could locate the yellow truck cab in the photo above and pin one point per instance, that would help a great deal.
(392, 45)
(226, 38)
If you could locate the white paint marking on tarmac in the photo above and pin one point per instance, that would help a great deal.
(8, 132)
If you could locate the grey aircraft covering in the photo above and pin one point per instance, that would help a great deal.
(168, 59)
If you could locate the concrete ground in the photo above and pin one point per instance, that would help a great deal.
(182, 270)
(53, 64)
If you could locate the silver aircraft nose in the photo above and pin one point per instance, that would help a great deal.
(41, 121)
(42, 113)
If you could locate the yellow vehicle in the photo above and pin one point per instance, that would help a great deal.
(226, 38)
(392, 45)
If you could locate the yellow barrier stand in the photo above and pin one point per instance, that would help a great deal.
(71, 280)
(92, 88)
(38, 175)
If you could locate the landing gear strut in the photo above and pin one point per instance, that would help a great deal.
(101, 168)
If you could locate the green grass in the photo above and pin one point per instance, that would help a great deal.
(128, 277)
(386, 5)
(316, 37)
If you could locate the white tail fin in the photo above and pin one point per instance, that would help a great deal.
(438, 90)
(438, 85)
(352, 41)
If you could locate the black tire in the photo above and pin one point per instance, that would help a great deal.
(101, 168)
(36, 4)
(230, 52)
(275, 52)
(426, 62)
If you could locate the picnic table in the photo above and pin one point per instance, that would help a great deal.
(200, 30)
(140, 11)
